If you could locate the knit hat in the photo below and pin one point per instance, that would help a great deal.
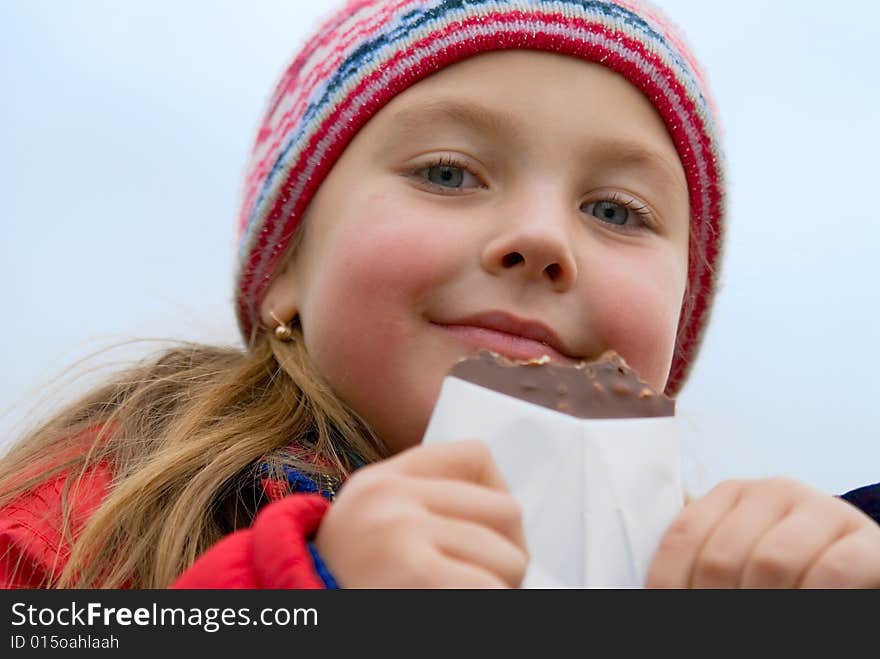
(368, 51)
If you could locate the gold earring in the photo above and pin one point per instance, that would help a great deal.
(282, 331)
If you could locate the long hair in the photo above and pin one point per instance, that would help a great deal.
(184, 433)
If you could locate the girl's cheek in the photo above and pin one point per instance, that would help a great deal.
(636, 311)
(366, 332)
(369, 284)
(645, 338)
(403, 252)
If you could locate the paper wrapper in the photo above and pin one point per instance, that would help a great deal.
(597, 494)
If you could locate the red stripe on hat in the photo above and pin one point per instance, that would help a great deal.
(303, 90)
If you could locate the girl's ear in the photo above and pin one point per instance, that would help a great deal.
(282, 298)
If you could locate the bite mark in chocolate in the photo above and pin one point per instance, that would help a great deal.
(606, 388)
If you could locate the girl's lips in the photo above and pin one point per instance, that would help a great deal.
(509, 345)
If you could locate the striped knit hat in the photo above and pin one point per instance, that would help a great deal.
(368, 51)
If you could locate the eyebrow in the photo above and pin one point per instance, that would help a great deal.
(481, 119)
(471, 115)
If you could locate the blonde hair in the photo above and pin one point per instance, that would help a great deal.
(184, 433)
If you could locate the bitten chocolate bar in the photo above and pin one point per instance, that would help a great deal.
(606, 388)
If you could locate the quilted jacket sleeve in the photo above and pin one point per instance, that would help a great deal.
(274, 552)
(33, 550)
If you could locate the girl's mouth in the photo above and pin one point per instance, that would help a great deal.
(509, 345)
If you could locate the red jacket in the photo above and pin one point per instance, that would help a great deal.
(272, 553)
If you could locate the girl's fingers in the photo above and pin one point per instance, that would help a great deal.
(853, 561)
(768, 533)
(461, 574)
(722, 558)
(481, 547)
(474, 503)
(673, 563)
(781, 557)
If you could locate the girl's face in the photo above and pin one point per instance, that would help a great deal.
(525, 182)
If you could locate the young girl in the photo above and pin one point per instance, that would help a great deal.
(431, 177)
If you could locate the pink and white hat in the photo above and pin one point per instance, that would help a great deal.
(368, 51)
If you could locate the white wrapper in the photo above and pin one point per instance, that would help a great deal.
(597, 494)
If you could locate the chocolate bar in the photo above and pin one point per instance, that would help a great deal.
(606, 388)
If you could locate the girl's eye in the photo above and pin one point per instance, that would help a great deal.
(446, 173)
(611, 212)
(627, 214)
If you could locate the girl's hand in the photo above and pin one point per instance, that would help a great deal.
(432, 516)
(768, 533)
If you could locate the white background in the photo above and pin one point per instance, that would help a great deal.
(124, 128)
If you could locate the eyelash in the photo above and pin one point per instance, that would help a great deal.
(445, 161)
(632, 205)
(641, 210)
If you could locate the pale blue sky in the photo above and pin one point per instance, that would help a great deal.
(124, 128)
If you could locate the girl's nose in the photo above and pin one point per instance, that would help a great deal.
(537, 250)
